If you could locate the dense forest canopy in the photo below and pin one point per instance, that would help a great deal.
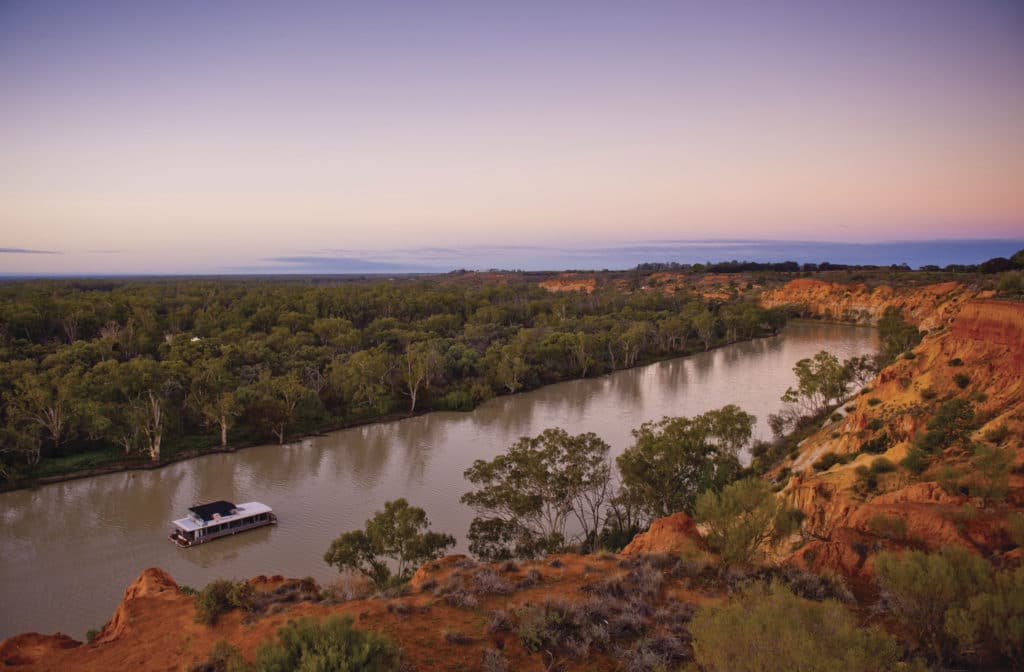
(95, 370)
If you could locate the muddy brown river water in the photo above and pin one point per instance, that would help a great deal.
(68, 550)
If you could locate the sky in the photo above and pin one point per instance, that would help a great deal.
(183, 137)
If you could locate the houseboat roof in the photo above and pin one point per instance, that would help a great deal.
(219, 508)
(200, 520)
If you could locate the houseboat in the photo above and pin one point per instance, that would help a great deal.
(219, 519)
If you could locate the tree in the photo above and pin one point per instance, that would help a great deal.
(527, 495)
(399, 533)
(421, 363)
(674, 459)
(895, 334)
(740, 519)
(212, 395)
(279, 396)
(704, 323)
(363, 378)
(45, 403)
(821, 381)
(769, 629)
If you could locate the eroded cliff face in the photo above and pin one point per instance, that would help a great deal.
(977, 357)
(927, 307)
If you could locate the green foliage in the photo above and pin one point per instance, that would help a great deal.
(998, 434)
(990, 626)
(528, 494)
(920, 589)
(928, 394)
(224, 657)
(149, 368)
(956, 361)
(399, 533)
(889, 527)
(874, 401)
(221, 596)
(1015, 528)
(741, 519)
(91, 634)
(821, 381)
(674, 459)
(304, 645)
(916, 460)
(990, 473)
(962, 380)
(767, 628)
(877, 445)
(875, 424)
(882, 466)
(951, 425)
(895, 334)
(829, 459)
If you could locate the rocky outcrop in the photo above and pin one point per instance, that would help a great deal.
(676, 534)
(153, 583)
(927, 307)
(979, 357)
(26, 649)
(570, 282)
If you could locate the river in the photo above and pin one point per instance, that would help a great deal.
(68, 550)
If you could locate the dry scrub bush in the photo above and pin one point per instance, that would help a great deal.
(767, 628)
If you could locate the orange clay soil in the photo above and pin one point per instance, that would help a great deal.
(154, 627)
(842, 517)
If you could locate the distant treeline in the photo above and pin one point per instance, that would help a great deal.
(95, 369)
(992, 266)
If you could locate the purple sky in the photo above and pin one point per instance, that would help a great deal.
(207, 136)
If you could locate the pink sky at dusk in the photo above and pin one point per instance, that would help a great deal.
(188, 137)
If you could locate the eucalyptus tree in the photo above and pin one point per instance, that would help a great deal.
(676, 458)
(526, 496)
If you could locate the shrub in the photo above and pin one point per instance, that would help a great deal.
(962, 380)
(956, 361)
(221, 596)
(867, 481)
(928, 394)
(997, 435)
(875, 424)
(888, 527)
(826, 461)
(305, 644)
(224, 657)
(492, 660)
(91, 634)
(874, 401)
(877, 445)
(740, 519)
(836, 417)
(919, 588)
(456, 637)
(882, 466)
(909, 355)
(990, 626)
(1015, 528)
(487, 582)
(950, 425)
(765, 629)
(916, 460)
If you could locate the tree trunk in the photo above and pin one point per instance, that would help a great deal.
(223, 431)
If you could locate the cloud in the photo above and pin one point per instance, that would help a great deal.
(22, 250)
(325, 264)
